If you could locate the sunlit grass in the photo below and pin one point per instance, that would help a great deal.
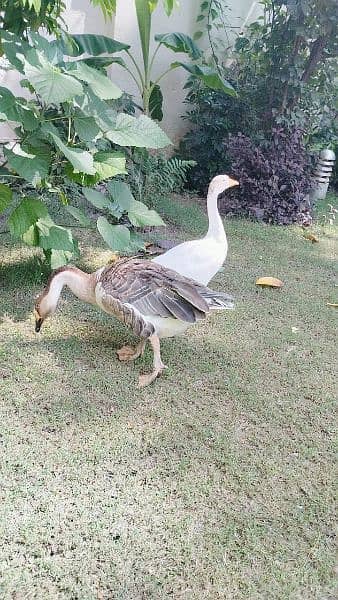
(216, 482)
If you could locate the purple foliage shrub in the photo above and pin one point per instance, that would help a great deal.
(274, 177)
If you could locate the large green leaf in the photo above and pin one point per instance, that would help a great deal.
(100, 62)
(58, 258)
(139, 215)
(14, 48)
(92, 106)
(156, 103)
(96, 198)
(78, 215)
(89, 43)
(179, 42)
(109, 164)
(16, 109)
(116, 236)
(101, 85)
(6, 196)
(143, 13)
(81, 160)
(52, 52)
(54, 237)
(121, 194)
(49, 82)
(209, 76)
(139, 132)
(26, 214)
(32, 165)
(85, 127)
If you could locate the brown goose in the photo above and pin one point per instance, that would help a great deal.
(154, 301)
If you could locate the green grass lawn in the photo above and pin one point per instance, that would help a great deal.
(215, 482)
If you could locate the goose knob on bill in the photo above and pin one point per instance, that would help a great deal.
(154, 301)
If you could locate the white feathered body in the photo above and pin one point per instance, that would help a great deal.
(198, 259)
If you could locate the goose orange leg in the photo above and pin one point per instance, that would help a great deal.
(145, 380)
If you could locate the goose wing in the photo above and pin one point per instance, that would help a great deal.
(152, 290)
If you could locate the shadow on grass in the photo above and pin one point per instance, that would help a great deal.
(31, 271)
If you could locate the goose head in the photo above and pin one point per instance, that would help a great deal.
(220, 183)
(45, 306)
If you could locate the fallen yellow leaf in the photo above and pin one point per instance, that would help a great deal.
(311, 237)
(269, 282)
(333, 304)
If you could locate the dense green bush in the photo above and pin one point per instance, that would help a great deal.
(213, 116)
(283, 68)
(71, 130)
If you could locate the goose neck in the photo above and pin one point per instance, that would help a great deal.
(216, 228)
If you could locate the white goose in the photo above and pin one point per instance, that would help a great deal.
(154, 301)
(201, 259)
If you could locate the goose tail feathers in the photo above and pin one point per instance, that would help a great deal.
(218, 300)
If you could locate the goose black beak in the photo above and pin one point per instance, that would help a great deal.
(38, 323)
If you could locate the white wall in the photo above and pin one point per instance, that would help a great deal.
(182, 20)
(82, 17)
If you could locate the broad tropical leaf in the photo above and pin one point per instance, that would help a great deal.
(52, 52)
(6, 196)
(58, 258)
(179, 42)
(121, 194)
(33, 167)
(139, 215)
(92, 106)
(156, 103)
(49, 82)
(109, 164)
(98, 200)
(53, 236)
(209, 76)
(85, 127)
(26, 214)
(81, 160)
(100, 83)
(89, 43)
(143, 13)
(16, 109)
(78, 215)
(139, 132)
(100, 62)
(116, 236)
(14, 49)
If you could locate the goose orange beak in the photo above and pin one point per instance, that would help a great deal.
(233, 182)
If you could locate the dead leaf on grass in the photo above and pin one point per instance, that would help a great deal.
(269, 282)
(332, 304)
(311, 237)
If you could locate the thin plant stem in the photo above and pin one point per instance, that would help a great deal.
(139, 87)
(142, 79)
(69, 129)
(163, 75)
(154, 56)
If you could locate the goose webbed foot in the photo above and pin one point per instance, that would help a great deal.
(147, 379)
(128, 353)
